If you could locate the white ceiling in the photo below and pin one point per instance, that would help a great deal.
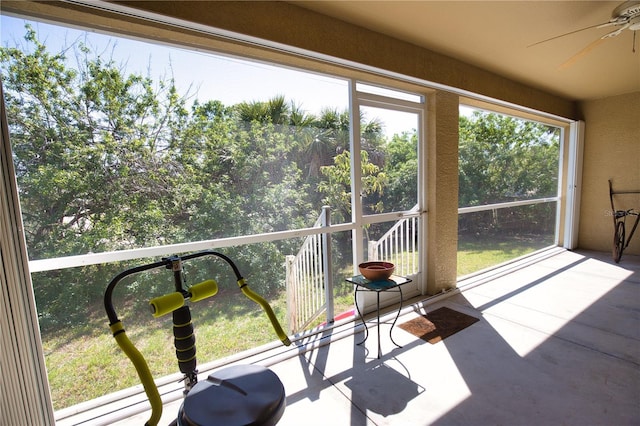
(495, 35)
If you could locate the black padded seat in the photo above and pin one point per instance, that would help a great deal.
(240, 395)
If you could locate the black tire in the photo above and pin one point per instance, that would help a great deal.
(618, 241)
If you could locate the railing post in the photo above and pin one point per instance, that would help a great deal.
(292, 303)
(327, 264)
(372, 251)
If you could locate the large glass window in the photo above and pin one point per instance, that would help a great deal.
(125, 145)
(183, 146)
(508, 193)
(390, 140)
(127, 151)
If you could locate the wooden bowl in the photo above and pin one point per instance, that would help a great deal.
(376, 271)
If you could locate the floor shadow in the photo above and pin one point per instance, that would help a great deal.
(370, 390)
(383, 386)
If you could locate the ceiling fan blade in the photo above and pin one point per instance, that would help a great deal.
(618, 31)
(606, 24)
(569, 62)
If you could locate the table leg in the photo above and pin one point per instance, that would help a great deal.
(395, 320)
(378, 316)
(366, 330)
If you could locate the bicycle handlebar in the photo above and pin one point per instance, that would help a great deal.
(168, 303)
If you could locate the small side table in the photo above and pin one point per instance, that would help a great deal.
(394, 284)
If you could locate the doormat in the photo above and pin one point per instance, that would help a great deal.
(438, 325)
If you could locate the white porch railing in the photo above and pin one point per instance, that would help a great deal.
(399, 245)
(309, 280)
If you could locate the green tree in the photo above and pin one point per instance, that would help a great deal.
(337, 183)
(94, 152)
(95, 161)
(503, 159)
(109, 160)
(402, 169)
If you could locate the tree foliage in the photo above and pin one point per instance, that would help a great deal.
(504, 159)
(109, 160)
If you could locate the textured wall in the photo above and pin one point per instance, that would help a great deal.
(611, 151)
(442, 192)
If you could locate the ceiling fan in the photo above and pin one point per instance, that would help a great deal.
(624, 16)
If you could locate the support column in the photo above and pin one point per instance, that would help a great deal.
(442, 191)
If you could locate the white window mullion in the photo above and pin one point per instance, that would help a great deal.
(423, 197)
(573, 185)
(356, 176)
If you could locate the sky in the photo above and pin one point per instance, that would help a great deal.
(227, 79)
(207, 76)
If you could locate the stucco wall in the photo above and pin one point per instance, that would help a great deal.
(442, 190)
(611, 151)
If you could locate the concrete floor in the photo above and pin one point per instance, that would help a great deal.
(558, 343)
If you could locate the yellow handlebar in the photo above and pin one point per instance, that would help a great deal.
(272, 317)
(166, 304)
(143, 372)
(170, 302)
(203, 290)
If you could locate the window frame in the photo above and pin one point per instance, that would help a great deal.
(569, 171)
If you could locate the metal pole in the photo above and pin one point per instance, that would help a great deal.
(327, 264)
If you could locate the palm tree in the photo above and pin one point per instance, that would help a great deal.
(320, 143)
(275, 111)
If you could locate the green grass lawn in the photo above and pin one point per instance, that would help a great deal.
(477, 254)
(85, 363)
